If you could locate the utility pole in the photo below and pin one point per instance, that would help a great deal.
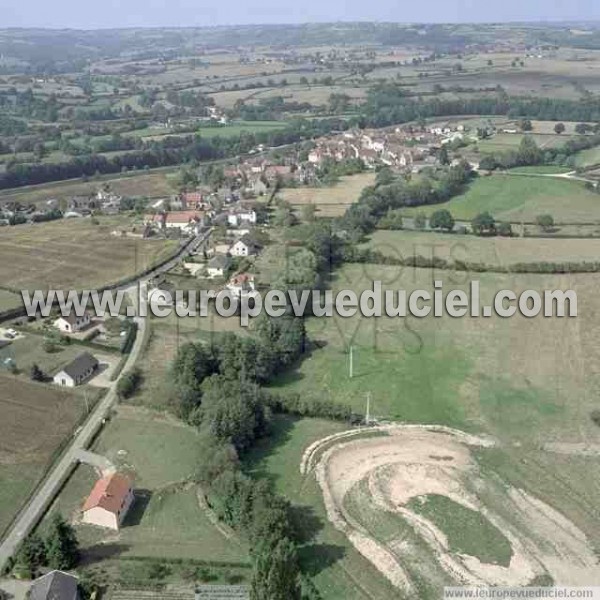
(368, 415)
(351, 362)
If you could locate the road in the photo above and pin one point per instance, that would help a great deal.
(39, 503)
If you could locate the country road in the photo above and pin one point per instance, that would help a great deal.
(39, 503)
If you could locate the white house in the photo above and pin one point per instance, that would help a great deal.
(235, 219)
(108, 503)
(77, 371)
(244, 247)
(72, 323)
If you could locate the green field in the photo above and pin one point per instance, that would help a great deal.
(160, 454)
(468, 531)
(339, 571)
(501, 142)
(588, 158)
(492, 251)
(518, 198)
(236, 129)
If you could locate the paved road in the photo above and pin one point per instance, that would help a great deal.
(38, 504)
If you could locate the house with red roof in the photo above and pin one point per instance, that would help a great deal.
(109, 501)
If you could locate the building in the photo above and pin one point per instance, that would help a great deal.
(109, 501)
(240, 217)
(77, 371)
(217, 265)
(241, 283)
(72, 323)
(245, 246)
(55, 585)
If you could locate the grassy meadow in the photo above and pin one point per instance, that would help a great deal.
(493, 251)
(521, 198)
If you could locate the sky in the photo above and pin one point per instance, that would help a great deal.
(98, 14)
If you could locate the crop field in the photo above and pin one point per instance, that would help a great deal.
(74, 254)
(521, 198)
(147, 184)
(330, 201)
(494, 251)
(316, 95)
(36, 420)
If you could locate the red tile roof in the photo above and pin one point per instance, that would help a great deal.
(109, 493)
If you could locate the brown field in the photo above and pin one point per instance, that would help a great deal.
(330, 201)
(73, 254)
(147, 184)
(36, 419)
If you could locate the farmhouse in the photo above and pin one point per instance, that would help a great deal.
(217, 265)
(245, 246)
(77, 371)
(55, 585)
(72, 323)
(109, 501)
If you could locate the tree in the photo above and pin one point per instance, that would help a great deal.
(525, 125)
(504, 229)
(442, 219)
(276, 573)
(420, 221)
(62, 547)
(545, 222)
(129, 383)
(31, 554)
(36, 373)
(483, 223)
(559, 128)
(443, 156)
(232, 411)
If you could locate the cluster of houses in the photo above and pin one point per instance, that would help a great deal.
(401, 148)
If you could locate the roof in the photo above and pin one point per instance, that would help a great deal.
(55, 585)
(220, 261)
(81, 365)
(184, 216)
(109, 493)
(72, 318)
(247, 240)
(241, 278)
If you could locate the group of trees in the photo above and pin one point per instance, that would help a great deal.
(57, 549)
(391, 193)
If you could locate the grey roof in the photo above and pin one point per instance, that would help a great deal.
(220, 261)
(55, 585)
(81, 365)
(249, 241)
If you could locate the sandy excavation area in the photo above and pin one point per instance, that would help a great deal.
(412, 463)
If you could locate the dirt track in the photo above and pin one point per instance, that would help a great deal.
(416, 461)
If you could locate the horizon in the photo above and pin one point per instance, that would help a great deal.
(150, 14)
